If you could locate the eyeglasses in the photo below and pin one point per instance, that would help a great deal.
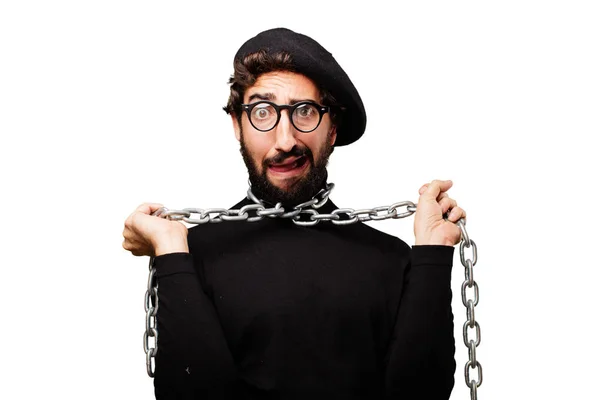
(305, 116)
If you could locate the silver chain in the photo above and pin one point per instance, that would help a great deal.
(151, 307)
(470, 303)
(341, 216)
(308, 209)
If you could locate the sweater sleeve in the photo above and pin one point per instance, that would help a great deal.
(420, 360)
(193, 359)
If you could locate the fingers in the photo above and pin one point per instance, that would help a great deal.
(135, 233)
(148, 208)
(435, 188)
(131, 240)
(141, 212)
(136, 247)
(447, 203)
(441, 196)
(456, 214)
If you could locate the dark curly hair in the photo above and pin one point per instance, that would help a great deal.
(247, 71)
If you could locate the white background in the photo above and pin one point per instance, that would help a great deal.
(105, 105)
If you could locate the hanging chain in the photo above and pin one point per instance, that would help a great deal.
(470, 303)
(341, 216)
(151, 307)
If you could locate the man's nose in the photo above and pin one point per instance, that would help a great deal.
(285, 138)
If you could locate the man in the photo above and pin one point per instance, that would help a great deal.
(273, 310)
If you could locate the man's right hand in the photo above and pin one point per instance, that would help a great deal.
(147, 235)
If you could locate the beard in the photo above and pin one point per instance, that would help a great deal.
(299, 191)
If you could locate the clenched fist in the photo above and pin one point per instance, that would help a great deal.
(430, 226)
(147, 235)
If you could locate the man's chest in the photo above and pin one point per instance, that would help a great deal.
(294, 289)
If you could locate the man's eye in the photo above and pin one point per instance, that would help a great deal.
(305, 111)
(262, 113)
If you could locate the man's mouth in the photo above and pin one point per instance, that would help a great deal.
(290, 166)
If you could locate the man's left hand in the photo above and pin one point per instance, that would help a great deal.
(430, 226)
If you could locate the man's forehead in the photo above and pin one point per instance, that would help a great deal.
(273, 85)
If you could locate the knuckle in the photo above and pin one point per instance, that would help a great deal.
(128, 236)
(135, 217)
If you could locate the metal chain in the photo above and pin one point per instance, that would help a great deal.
(341, 216)
(151, 307)
(258, 211)
(470, 303)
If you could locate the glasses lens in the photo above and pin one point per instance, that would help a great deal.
(306, 117)
(263, 116)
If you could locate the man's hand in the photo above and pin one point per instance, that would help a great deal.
(147, 235)
(430, 226)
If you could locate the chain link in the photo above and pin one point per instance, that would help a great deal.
(306, 214)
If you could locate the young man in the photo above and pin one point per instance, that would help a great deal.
(274, 310)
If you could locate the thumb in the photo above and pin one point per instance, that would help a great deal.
(149, 208)
(436, 187)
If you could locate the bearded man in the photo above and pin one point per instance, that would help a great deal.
(275, 310)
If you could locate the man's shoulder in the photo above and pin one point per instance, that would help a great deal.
(366, 235)
(372, 236)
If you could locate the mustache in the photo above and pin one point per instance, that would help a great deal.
(294, 152)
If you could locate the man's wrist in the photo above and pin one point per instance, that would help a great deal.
(433, 242)
(173, 243)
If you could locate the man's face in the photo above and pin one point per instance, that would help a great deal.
(285, 164)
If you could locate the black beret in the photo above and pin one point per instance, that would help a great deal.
(312, 60)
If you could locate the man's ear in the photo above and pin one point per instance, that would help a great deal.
(333, 134)
(236, 126)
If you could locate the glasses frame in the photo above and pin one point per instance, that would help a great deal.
(291, 108)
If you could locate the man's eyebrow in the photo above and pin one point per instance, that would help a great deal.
(294, 101)
(271, 97)
(261, 96)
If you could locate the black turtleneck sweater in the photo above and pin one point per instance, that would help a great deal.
(272, 310)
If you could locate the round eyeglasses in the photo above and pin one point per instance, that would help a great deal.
(305, 116)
